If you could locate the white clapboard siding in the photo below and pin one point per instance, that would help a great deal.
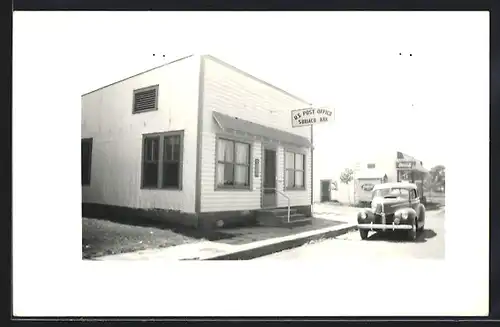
(234, 93)
(297, 198)
(117, 136)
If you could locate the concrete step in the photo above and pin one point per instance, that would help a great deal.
(282, 220)
(276, 211)
(297, 222)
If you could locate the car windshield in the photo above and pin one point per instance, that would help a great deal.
(389, 193)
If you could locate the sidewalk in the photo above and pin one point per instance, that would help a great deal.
(252, 242)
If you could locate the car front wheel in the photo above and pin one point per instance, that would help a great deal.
(363, 233)
(412, 233)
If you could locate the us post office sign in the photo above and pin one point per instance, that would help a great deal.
(311, 116)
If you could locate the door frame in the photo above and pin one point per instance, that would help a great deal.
(274, 147)
(321, 189)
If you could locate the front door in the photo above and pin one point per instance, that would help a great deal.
(269, 179)
(325, 190)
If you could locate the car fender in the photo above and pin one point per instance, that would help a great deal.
(421, 212)
(369, 214)
(411, 213)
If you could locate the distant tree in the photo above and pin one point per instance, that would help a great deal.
(438, 177)
(346, 177)
(429, 185)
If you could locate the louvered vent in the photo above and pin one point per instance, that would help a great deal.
(145, 99)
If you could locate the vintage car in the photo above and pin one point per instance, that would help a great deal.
(394, 207)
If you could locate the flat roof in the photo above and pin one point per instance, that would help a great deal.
(256, 78)
(214, 59)
(145, 71)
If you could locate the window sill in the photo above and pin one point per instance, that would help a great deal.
(236, 189)
(161, 188)
(143, 111)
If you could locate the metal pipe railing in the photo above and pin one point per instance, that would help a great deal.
(284, 195)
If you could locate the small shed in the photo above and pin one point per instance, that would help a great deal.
(365, 181)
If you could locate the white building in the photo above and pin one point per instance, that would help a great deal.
(371, 169)
(194, 141)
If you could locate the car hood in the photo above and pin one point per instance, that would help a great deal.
(388, 205)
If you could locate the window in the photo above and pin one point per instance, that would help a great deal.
(404, 194)
(413, 194)
(162, 161)
(233, 164)
(392, 193)
(145, 99)
(370, 166)
(86, 161)
(294, 170)
(381, 193)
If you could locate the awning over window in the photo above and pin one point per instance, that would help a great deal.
(233, 124)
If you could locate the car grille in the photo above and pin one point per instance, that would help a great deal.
(388, 219)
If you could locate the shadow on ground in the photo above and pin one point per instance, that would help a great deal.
(213, 235)
(402, 236)
(107, 236)
(255, 234)
(433, 206)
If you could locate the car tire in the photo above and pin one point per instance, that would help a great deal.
(363, 233)
(412, 233)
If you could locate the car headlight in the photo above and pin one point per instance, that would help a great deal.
(363, 215)
(404, 215)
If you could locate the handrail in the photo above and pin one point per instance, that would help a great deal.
(286, 196)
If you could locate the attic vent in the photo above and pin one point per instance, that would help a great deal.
(146, 99)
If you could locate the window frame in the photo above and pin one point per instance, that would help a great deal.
(304, 163)
(89, 140)
(162, 136)
(143, 89)
(234, 140)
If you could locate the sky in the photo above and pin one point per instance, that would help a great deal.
(347, 61)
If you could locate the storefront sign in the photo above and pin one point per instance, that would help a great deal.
(367, 187)
(311, 116)
(405, 164)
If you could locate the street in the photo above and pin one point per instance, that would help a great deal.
(429, 245)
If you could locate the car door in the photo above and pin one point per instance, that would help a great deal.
(414, 202)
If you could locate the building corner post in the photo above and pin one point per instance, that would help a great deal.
(312, 166)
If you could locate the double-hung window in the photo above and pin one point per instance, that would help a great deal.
(232, 164)
(162, 160)
(294, 170)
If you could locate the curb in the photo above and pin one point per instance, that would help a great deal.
(278, 246)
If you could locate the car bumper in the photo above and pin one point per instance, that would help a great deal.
(384, 227)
